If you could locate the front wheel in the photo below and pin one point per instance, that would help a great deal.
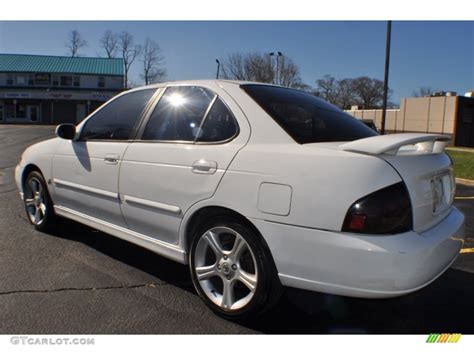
(232, 270)
(38, 204)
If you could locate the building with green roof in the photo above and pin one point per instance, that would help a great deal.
(55, 89)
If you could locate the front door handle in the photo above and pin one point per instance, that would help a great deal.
(111, 158)
(204, 166)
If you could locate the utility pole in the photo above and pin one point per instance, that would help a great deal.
(385, 80)
(218, 67)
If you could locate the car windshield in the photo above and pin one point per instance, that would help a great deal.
(306, 118)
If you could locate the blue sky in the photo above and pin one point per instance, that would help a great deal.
(437, 54)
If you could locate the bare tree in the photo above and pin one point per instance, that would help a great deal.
(337, 92)
(153, 62)
(289, 73)
(248, 66)
(345, 94)
(363, 91)
(368, 92)
(129, 52)
(109, 42)
(75, 42)
(423, 91)
(327, 88)
(259, 67)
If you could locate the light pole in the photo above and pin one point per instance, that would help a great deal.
(277, 76)
(218, 67)
(278, 54)
(385, 79)
(271, 55)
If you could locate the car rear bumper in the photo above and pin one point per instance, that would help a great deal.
(363, 265)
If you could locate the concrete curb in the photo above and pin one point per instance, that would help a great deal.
(465, 182)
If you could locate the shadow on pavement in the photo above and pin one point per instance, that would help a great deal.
(445, 306)
(135, 256)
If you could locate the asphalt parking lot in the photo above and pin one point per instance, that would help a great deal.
(79, 280)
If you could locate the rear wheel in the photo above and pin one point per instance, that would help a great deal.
(232, 270)
(38, 205)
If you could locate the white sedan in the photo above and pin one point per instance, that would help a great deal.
(254, 186)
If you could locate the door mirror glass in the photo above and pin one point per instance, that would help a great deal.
(66, 131)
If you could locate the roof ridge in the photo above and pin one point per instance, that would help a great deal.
(56, 56)
(28, 63)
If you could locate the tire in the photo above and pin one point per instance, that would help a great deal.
(38, 204)
(232, 269)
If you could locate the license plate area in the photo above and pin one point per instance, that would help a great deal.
(442, 192)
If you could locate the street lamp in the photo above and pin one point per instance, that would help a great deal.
(218, 66)
(277, 55)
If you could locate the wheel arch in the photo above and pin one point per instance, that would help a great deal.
(206, 212)
(27, 170)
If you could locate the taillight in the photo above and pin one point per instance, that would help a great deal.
(386, 211)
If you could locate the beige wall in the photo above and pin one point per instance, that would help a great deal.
(416, 114)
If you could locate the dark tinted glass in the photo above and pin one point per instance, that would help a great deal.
(116, 120)
(219, 125)
(306, 118)
(178, 115)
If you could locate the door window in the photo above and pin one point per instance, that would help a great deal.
(219, 124)
(116, 120)
(179, 114)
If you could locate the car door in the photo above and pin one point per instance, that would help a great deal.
(187, 143)
(85, 170)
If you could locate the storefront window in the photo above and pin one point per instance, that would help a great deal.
(42, 79)
(33, 112)
(9, 111)
(66, 81)
(21, 80)
(101, 82)
(20, 111)
(55, 80)
(9, 79)
(77, 81)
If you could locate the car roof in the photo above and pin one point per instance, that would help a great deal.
(201, 82)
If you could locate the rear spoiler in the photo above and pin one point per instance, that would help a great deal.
(391, 144)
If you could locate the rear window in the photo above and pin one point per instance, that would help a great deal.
(306, 118)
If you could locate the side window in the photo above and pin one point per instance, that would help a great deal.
(219, 125)
(116, 120)
(178, 115)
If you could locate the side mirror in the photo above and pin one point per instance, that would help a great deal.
(66, 131)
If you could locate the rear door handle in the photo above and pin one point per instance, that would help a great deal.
(204, 166)
(111, 158)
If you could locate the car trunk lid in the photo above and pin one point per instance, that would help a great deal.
(425, 168)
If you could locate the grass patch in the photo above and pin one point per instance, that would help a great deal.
(463, 163)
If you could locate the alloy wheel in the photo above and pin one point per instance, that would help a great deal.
(35, 201)
(226, 268)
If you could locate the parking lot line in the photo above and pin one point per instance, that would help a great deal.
(467, 250)
(464, 198)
